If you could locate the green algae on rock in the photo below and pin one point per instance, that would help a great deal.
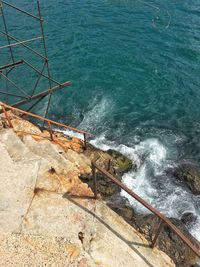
(123, 163)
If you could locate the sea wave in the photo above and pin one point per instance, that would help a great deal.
(152, 182)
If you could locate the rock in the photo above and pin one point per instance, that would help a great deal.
(190, 174)
(48, 217)
(168, 241)
(105, 187)
(119, 164)
(123, 164)
(188, 218)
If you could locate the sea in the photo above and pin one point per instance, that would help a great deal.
(134, 67)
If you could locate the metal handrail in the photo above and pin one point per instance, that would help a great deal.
(6, 107)
(163, 220)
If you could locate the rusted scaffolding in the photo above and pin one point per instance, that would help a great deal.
(23, 94)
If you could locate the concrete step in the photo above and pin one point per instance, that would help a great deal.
(5, 158)
(15, 147)
(17, 183)
(51, 154)
(107, 240)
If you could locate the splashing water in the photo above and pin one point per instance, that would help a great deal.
(151, 182)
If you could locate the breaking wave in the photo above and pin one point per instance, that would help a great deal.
(153, 180)
(153, 183)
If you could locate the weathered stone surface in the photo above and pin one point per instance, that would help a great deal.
(25, 127)
(168, 241)
(30, 250)
(17, 182)
(13, 145)
(189, 174)
(54, 219)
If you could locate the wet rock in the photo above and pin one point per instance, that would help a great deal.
(190, 174)
(112, 161)
(188, 218)
(168, 241)
(123, 164)
(105, 187)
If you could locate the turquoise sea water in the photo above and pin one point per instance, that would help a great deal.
(135, 70)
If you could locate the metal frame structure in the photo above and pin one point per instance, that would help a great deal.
(13, 42)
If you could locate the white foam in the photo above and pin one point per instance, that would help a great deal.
(150, 157)
(70, 133)
(101, 143)
(96, 116)
(149, 182)
(195, 229)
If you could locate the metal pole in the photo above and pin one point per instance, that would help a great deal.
(19, 43)
(50, 131)
(6, 31)
(32, 106)
(39, 95)
(85, 141)
(7, 117)
(160, 226)
(94, 180)
(9, 94)
(109, 165)
(35, 69)
(42, 118)
(12, 65)
(6, 82)
(28, 47)
(47, 61)
(19, 9)
(20, 89)
(38, 79)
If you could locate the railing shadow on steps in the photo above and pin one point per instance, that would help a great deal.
(6, 108)
(162, 219)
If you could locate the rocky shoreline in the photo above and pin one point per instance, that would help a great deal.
(117, 164)
(49, 217)
(168, 241)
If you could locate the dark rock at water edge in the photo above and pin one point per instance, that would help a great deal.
(168, 241)
(188, 218)
(117, 164)
(190, 175)
(123, 164)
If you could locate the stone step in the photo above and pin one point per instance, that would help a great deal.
(5, 159)
(58, 171)
(17, 183)
(15, 147)
(52, 155)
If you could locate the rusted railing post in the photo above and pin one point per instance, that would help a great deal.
(7, 116)
(109, 165)
(50, 131)
(160, 226)
(85, 141)
(94, 180)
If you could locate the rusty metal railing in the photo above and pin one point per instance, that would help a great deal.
(162, 219)
(6, 107)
